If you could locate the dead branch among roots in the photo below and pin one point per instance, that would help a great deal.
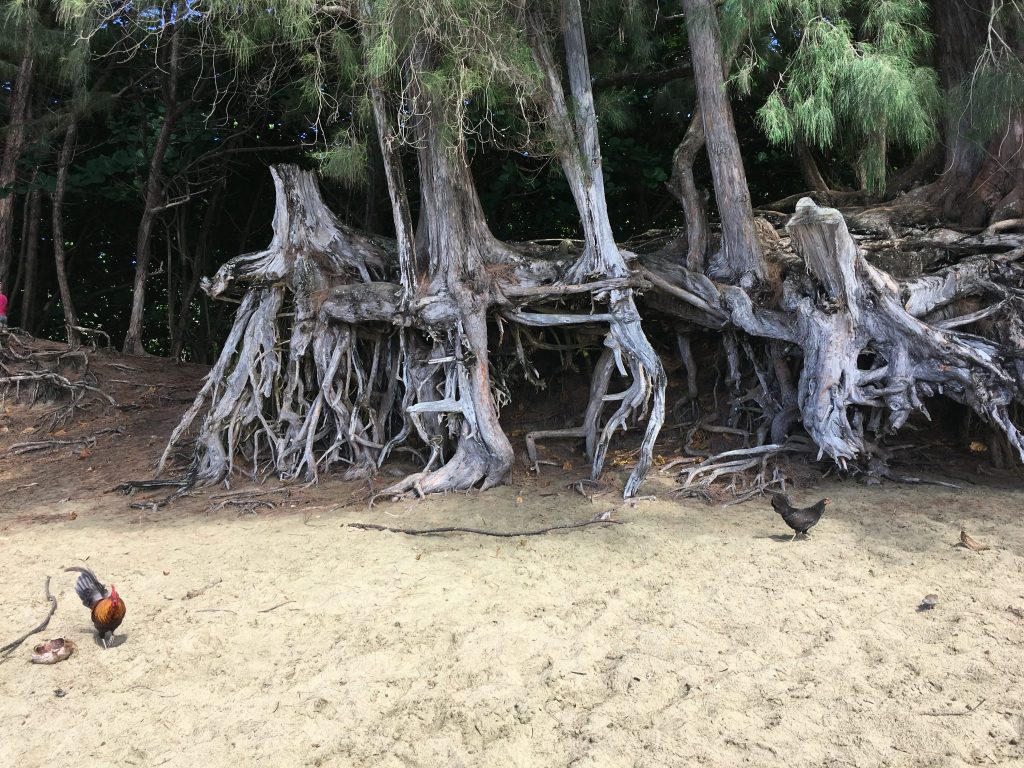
(9, 648)
(182, 487)
(86, 441)
(735, 465)
(249, 501)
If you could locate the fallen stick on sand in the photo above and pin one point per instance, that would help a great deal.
(603, 517)
(192, 593)
(6, 650)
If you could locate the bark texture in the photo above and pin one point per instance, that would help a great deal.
(67, 151)
(960, 31)
(153, 194)
(741, 261)
(14, 145)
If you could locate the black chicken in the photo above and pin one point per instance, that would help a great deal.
(800, 520)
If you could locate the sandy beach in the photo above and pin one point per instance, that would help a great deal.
(688, 635)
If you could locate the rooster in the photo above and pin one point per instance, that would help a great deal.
(106, 605)
(800, 520)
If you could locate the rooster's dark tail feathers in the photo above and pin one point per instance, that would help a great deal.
(88, 587)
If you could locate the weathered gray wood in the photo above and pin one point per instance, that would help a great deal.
(328, 365)
(580, 156)
(864, 312)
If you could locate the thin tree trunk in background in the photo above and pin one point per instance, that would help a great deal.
(67, 151)
(169, 255)
(404, 235)
(13, 147)
(184, 248)
(154, 193)
(682, 184)
(14, 277)
(29, 266)
(198, 267)
(371, 209)
(684, 188)
(743, 262)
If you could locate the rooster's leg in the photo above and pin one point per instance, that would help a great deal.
(794, 537)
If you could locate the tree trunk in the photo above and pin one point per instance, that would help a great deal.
(682, 184)
(30, 264)
(997, 193)
(195, 266)
(67, 151)
(13, 147)
(152, 196)
(813, 178)
(172, 277)
(684, 188)
(741, 261)
(460, 247)
(960, 32)
(576, 132)
(276, 399)
(405, 236)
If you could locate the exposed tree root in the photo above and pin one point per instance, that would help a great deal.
(865, 315)
(329, 365)
(31, 374)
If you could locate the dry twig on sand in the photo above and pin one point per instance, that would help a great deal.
(970, 542)
(603, 517)
(7, 649)
(197, 592)
(275, 607)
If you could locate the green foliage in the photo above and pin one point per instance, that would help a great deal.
(996, 85)
(995, 88)
(851, 73)
(345, 160)
(268, 81)
(625, 28)
(467, 58)
(614, 109)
